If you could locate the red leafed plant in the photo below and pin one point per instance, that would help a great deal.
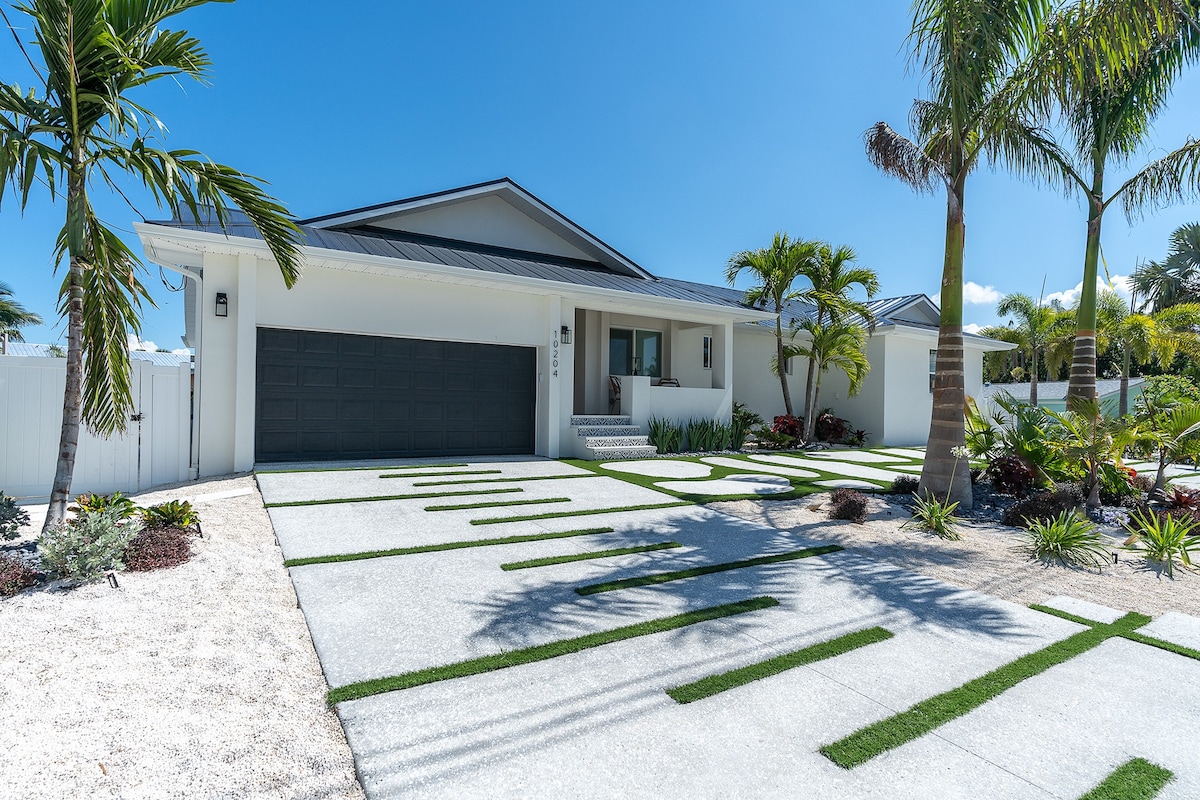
(157, 548)
(15, 575)
(789, 425)
(1180, 498)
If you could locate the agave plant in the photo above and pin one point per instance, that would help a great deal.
(666, 435)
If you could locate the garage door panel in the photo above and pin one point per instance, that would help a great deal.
(323, 395)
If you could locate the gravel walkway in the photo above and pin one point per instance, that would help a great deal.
(197, 681)
(984, 559)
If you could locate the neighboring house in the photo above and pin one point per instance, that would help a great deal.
(1052, 395)
(481, 321)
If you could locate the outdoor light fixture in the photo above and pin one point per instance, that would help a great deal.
(565, 336)
(222, 304)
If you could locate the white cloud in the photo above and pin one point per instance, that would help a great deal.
(975, 295)
(181, 351)
(1120, 284)
(141, 344)
(971, 327)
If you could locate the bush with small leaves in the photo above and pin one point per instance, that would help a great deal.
(1010, 475)
(848, 504)
(1164, 538)
(15, 575)
(12, 517)
(904, 484)
(1069, 539)
(1144, 483)
(157, 548)
(88, 546)
(1043, 506)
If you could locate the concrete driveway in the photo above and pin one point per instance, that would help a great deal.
(598, 722)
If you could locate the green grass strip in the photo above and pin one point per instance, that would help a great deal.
(441, 475)
(417, 496)
(679, 574)
(356, 469)
(715, 684)
(888, 734)
(588, 512)
(498, 504)
(1136, 779)
(541, 652)
(495, 480)
(620, 551)
(434, 548)
(1132, 636)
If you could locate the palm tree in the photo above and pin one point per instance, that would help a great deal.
(835, 344)
(1174, 280)
(967, 49)
(775, 269)
(13, 317)
(79, 126)
(1143, 337)
(1108, 116)
(832, 277)
(1034, 325)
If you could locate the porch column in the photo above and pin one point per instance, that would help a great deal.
(246, 305)
(722, 367)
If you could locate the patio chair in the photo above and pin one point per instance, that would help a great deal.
(614, 394)
(669, 382)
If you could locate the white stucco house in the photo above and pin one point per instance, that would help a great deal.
(481, 321)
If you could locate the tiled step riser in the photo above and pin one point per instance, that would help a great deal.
(608, 430)
(616, 441)
(619, 453)
(591, 420)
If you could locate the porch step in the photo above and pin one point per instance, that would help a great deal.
(619, 453)
(608, 430)
(592, 442)
(600, 420)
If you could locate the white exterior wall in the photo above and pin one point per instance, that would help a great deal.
(152, 452)
(754, 384)
(865, 410)
(908, 403)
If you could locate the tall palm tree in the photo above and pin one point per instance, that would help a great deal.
(1108, 117)
(833, 276)
(13, 317)
(838, 343)
(1173, 280)
(775, 270)
(80, 126)
(967, 50)
(1142, 337)
(1034, 324)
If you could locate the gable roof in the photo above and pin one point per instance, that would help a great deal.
(508, 190)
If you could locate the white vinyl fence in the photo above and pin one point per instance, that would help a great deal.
(154, 450)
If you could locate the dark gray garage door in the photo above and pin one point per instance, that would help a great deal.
(336, 395)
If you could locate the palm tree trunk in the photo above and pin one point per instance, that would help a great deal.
(1160, 480)
(1124, 407)
(944, 475)
(1083, 361)
(1033, 379)
(781, 362)
(68, 441)
(809, 382)
(810, 421)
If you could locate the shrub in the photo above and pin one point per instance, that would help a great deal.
(666, 435)
(1044, 506)
(742, 421)
(789, 426)
(15, 575)
(905, 484)
(1010, 475)
(12, 517)
(768, 438)
(858, 438)
(157, 548)
(1068, 538)
(1181, 498)
(1144, 483)
(174, 514)
(830, 427)
(116, 502)
(1115, 483)
(88, 546)
(848, 504)
(1164, 538)
(937, 517)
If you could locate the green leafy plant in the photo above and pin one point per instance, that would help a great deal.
(87, 546)
(666, 435)
(119, 504)
(936, 516)
(1164, 538)
(1069, 539)
(15, 575)
(12, 517)
(742, 421)
(771, 439)
(707, 435)
(173, 514)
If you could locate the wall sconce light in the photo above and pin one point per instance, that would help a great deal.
(565, 335)
(222, 304)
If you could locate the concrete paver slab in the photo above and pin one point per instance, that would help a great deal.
(660, 468)
(836, 467)
(773, 469)
(906, 452)
(846, 483)
(731, 485)
(1085, 609)
(1177, 628)
(855, 456)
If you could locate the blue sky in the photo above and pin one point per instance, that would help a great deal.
(677, 132)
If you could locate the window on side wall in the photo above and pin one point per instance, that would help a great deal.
(708, 352)
(932, 368)
(787, 366)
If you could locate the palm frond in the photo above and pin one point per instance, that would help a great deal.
(896, 155)
(1173, 178)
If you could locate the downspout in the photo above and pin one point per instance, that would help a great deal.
(197, 384)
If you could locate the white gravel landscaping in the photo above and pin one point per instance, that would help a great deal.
(196, 681)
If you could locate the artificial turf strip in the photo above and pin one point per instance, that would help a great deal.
(433, 548)
(497, 480)
(541, 652)
(1132, 636)
(1136, 779)
(498, 504)
(357, 469)
(888, 734)
(567, 559)
(417, 496)
(679, 574)
(585, 513)
(441, 475)
(715, 684)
